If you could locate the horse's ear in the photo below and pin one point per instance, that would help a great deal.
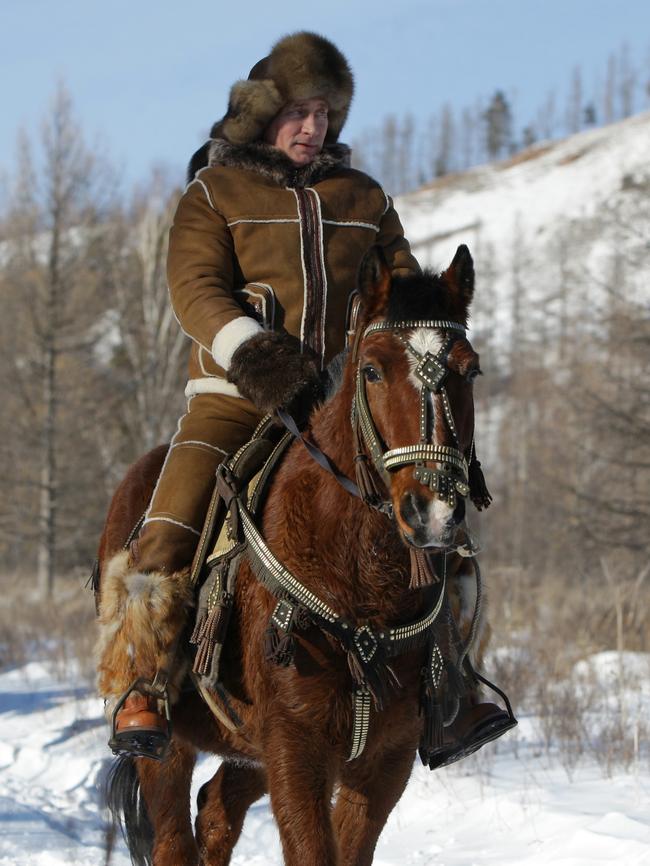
(459, 278)
(374, 283)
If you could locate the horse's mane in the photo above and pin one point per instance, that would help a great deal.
(421, 296)
(334, 374)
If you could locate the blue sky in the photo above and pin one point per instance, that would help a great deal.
(148, 78)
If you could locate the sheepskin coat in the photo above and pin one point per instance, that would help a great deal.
(258, 242)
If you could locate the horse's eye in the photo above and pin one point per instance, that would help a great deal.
(472, 374)
(371, 373)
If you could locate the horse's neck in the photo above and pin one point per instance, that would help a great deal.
(341, 549)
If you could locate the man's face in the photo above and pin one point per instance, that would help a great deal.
(299, 130)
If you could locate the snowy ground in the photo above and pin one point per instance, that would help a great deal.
(515, 806)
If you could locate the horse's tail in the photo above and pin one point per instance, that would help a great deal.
(128, 810)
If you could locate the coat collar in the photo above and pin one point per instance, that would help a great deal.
(275, 165)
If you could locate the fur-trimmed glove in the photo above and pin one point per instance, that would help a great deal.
(270, 370)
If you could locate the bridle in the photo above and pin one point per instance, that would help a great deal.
(450, 477)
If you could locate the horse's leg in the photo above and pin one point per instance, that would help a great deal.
(165, 789)
(300, 785)
(367, 796)
(223, 803)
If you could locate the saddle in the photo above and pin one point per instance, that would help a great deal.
(220, 550)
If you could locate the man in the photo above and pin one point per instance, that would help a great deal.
(264, 250)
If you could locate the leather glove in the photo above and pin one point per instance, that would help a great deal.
(270, 370)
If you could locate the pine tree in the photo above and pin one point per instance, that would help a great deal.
(498, 126)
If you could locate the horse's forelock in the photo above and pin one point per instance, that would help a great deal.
(424, 296)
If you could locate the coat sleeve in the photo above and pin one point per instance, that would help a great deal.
(200, 271)
(396, 248)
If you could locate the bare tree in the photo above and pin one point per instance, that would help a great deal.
(405, 154)
(467, 139)
(574, 114)
(91, 359)
(546, 117)
(610, 91)
(528, 136)
(444, 153)
(145, 346)
(627, 81)
(53, 216)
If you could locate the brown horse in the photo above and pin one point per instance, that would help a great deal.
(298, 720)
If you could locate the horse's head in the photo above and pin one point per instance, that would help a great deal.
(414, 407)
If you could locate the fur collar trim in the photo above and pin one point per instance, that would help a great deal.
(273, 163)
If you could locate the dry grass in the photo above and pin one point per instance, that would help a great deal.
(61, 630)
(550, 630)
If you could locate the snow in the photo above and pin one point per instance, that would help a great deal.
(545, 227)
(567, 180)
(512, 805)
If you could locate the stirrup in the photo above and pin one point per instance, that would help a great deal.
(483, 733)
(142, 742)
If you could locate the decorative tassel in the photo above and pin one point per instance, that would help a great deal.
(377, 677)
(206, 642)
(199, 627)
(279, 640)
(478, 492)
(209, 634)
(422, 573)
(433, 690)
(356, 669)
(433, 732)
(366, 480)
(279, 646)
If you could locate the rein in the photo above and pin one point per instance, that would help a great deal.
(325, 463)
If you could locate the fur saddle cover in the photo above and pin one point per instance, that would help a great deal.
(220, 549)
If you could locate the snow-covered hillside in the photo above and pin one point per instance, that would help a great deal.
(513, 806)
(545, 224)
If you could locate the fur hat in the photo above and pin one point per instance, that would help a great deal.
(300, 66)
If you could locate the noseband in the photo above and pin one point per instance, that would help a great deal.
(449, 477)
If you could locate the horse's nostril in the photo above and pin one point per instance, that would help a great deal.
(413, 509)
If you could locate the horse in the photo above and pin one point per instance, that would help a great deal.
(298, 720)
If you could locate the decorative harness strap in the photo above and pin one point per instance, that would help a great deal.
(362, 640)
